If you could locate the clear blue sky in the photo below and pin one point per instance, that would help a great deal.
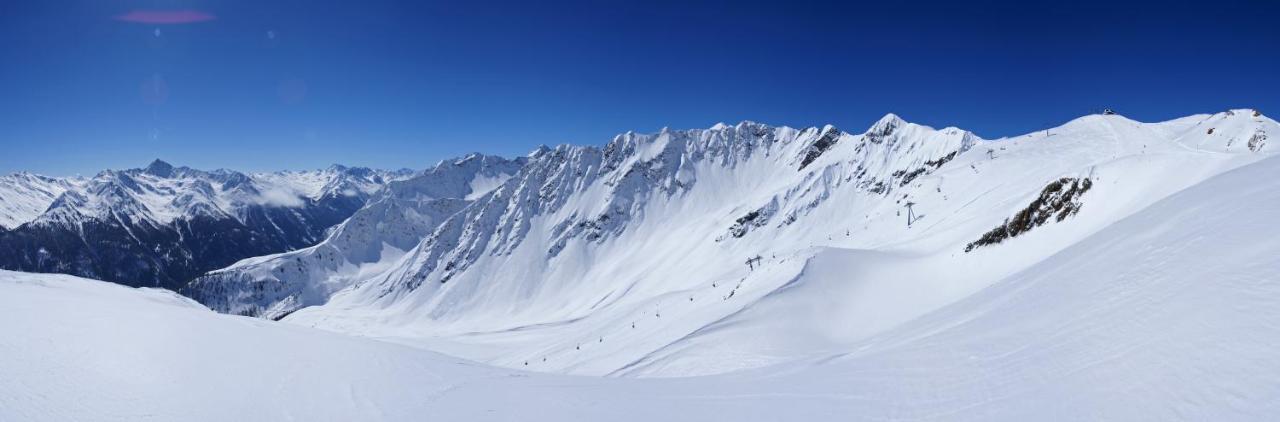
(259, 85)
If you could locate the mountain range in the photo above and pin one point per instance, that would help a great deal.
(1102, 269)
(674, 246)
(163, 225)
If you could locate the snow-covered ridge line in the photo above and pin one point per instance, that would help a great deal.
(633, 166)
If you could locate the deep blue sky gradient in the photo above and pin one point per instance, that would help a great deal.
(404, 84)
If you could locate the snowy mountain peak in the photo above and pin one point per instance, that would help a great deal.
(475, 156)
(159, 168)
(539, 151)
(887, 124)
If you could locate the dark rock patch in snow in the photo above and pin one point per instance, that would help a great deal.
(1059, 200)
(752, 219)
(1257, 141)
(819, 146)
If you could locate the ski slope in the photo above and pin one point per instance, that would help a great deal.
(1169, 313)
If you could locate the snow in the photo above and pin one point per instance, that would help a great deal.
(161, 193)
(24, 196)
(1166, 309)
(483, 184)
(393, 221)
(582, 243)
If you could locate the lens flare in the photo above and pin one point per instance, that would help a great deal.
(165, 17)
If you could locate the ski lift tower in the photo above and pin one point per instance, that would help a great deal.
(910, 213)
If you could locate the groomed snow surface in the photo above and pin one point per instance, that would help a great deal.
(1169, 313)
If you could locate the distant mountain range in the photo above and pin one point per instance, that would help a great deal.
(164, 225)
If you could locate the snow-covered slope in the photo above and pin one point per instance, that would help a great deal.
(393, 221)
(163, 225)
(1171, 313)
(1115, 167)
(617, 260)
(24, 196)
